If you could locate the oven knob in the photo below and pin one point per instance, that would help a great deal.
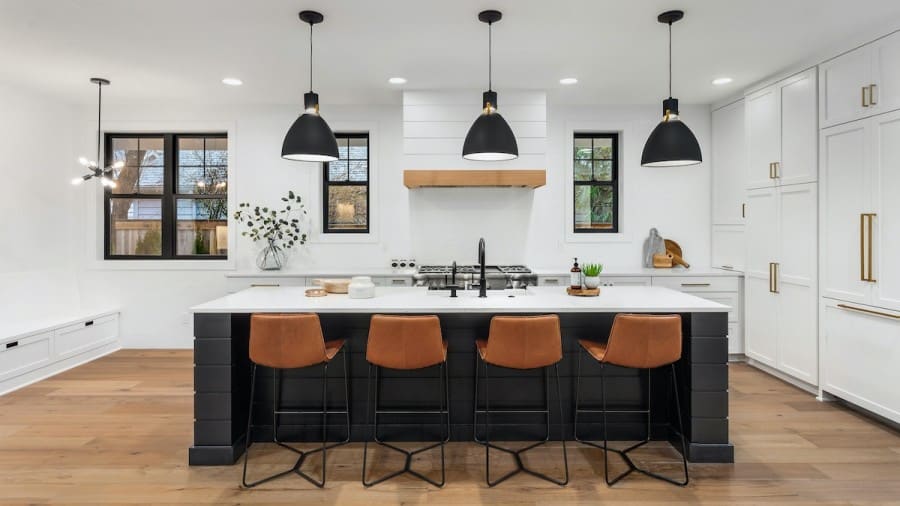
(394, 264)
(402, 263)
(412, 263)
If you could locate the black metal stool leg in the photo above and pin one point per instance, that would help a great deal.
(444, 394)
(249, 439)
(517, 454)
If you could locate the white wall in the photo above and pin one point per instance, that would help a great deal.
(432, 225)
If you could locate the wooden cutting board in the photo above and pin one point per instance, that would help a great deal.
(674, 249)
(583, 292)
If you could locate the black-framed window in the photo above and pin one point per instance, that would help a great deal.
(345, 186)
(170, 200)
(596, 180)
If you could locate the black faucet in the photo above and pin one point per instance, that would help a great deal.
(482, 281)
(453, 273)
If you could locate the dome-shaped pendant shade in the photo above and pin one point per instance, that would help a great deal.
(671, 144)
(310, 139)
(490, 139)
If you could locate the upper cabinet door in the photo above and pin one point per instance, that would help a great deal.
(729, 164)
(843, 92)
(799, 130)
(886, 74)
(763, 110)
(885, 239)
(845, 197)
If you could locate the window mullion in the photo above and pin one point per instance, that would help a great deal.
(169, 232)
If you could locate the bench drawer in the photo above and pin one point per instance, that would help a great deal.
(80, 337)
(25, 354)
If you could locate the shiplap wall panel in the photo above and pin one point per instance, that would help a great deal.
(459, 129)
(435, 123)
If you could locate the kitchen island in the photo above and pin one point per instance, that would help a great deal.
(222, 368)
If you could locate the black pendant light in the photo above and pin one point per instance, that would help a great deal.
(671, 144)
(106, 175)
(310, 139)
(490, 138)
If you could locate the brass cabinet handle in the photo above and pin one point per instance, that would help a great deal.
(865, 247)
(864, 103)
(771, 170)
(862, 247)
(869, 311)
(771, 277)
(872, 89)
(775, 266)
(695, 284)
(743, 210)
(776, 169)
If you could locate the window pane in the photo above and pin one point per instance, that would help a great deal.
(583, 170)
(347, 208)
(338, 171)
(135, 226)
(359, 148)
(343, 151)
(201, 227)
(582, 148)
(603, 170)
(202, 166)
(359, 171)
(143, 171)
(603, 149)
(594, 207)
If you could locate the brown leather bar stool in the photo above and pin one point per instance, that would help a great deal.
(293, 341)
(636, 341)
(523, 343)
(406, 343)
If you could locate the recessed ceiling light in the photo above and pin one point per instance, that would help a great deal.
(719, 81)
(232, 81)
(568, 80)
(397, 80)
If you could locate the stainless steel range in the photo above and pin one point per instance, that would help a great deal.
(499, 277)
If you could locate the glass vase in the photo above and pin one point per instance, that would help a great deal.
(271, 258)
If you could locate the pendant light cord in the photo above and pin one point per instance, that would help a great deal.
(490, 56)
(670, 59)
(310, 57)
(99, 109)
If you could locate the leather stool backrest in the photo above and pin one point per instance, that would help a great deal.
(643, 341)
(524, 342)
(286, 341)
(405, 342)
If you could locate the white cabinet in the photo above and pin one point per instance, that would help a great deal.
(722, 289)
(861, 211)
(860, 353)
(782, 130)
(729, 164)
(392, 280)
(860, 83)
(781, 279)
(729, 247)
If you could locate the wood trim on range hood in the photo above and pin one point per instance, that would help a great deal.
(474, 178)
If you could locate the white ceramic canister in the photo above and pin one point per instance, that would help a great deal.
(361, 287)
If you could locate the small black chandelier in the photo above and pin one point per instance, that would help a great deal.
(106, 175)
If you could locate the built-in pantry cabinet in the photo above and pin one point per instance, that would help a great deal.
(729, 171)
(781, 279)
(782, 132)
(860, 83)
(860, 243)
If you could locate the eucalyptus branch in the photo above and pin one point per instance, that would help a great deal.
(281, 228)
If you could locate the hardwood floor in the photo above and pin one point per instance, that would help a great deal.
(117, 431)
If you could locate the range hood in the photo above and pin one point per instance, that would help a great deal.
(511, 178)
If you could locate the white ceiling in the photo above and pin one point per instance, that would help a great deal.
(179, 50)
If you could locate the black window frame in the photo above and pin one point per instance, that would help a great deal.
(168, 198)
(613, 183)
(326, 184)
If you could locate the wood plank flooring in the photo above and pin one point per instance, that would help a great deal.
(116, 431)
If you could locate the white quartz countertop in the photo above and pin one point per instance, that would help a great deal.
(376, 271)
(419, 300)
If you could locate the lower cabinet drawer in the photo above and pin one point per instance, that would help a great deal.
(392, 281)
(624, 281)
(25, 354)
(80, 337)
(860, 353)
(698, 283)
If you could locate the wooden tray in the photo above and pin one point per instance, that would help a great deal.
(583, 292)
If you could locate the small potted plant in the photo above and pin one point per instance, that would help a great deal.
(281, 229)
(591, 274)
